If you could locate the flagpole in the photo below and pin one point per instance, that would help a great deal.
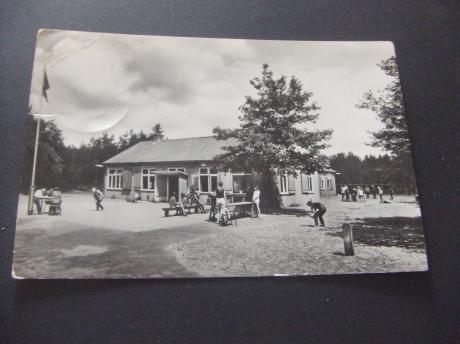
(45, 87)
(30, 210)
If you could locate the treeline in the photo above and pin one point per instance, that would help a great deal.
(382, 169)
(70, 167)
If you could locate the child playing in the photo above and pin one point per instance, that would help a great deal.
(319, 210)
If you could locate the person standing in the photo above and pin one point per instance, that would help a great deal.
(367, 191)
(361, 196)
(354, 194)
(256, 199)
(98, 196)
(374, 191)
(212, 212)
(380, 190)
(347, 194)
(38, 199)
(342, 191)
(391, 191)
(196, 199)
(318, 211)
(220, 200)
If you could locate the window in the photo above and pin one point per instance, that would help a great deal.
(114, 179)
(321, 183)
(283, 184)
(307, 183)
(148, 179)
(207, 181)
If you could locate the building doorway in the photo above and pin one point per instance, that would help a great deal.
(173, 186)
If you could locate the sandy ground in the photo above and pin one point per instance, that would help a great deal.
(129, 240)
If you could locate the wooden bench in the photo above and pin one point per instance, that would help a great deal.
(188, 208)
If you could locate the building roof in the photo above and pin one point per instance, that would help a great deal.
(190, 149)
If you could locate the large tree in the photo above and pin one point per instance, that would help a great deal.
(274, 135)
(50, 158)
(394, 137)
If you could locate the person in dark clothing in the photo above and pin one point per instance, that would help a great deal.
(354, 193)
(391, 192)
(374, 192)
(213, 211)
(248, 196)
(98, 196)
(347, 194)
(195, 197)
(319, 210)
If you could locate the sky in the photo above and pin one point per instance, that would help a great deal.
(112, 83)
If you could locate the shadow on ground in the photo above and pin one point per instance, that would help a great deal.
(97, 252)
(405, 232)
(286, 211)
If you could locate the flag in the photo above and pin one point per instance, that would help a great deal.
(45, 85)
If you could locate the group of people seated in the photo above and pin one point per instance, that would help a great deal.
(218, 201)
(51, 196)
(193, 198)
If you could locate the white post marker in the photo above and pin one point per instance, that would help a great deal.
(348, 239)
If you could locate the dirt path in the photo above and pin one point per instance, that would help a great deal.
(77, 251)
(286, 245)
(137, 241)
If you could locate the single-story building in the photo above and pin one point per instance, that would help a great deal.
(157, 169)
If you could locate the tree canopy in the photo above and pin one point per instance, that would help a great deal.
(388, 105)
(71, 167)
(273, 136)
(51, 154)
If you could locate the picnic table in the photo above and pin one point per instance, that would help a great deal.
(235, 196)
(44, 200)
(241, 207)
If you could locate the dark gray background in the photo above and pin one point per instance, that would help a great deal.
(414, 307)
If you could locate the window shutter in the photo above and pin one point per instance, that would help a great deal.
(291, 183)
(196, 183)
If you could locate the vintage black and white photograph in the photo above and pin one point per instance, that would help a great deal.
(172, 157)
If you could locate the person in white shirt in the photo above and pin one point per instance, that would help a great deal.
(38, 199)
(379, 188)
(361, 194)
(256, 199)
(343, 192)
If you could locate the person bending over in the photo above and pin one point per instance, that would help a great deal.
(318, 211)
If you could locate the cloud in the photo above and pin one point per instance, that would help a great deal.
(109, 82)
